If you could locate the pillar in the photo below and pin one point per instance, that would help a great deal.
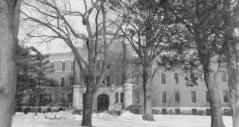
(128, 94)
(78, 97)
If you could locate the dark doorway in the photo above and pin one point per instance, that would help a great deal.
(102, 102)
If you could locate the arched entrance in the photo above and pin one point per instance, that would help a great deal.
(102, 102)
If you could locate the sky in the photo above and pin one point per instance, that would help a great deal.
(57, 46)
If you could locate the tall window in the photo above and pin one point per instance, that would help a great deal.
(177, 97)
(163, 78)
(116, 97)
(164, 97)
(137, 79)
(193, 96)
(72, 66)
(108, 80)
(176, 79)
(224, 77)
(207, 96)
(53, 65)
(225, 96)
(121, 97)
(118, 79)
(63, 66)
(136, 97)
(62, 82)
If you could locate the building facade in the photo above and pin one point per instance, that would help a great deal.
(172, 91)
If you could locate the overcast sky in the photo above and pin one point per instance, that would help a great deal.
(58, 45)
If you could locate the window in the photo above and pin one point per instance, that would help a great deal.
(62, 82)
(63, 66)
(108, 80)
(61, 99)
(193, 96)
(227, 112)
(177, 111)
(116, 97)
(224, 77)
(163, 78)
(70, 97)
(136, 97)
(194, 111)
(207, 96)
(164, 97)
(72, 66)
(177, 97)
(164, 111)
(121, 97)
(225, 96)
(176, 79)
(71, 81)
(135, 77)
(208, 111)
(53, 65)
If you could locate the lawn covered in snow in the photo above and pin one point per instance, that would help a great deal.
(127, 119)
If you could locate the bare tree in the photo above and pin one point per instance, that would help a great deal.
(9, 24)
(56, 17)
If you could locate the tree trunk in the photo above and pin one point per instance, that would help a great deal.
(8, 41)
(88, 104)
(234, 95)
(215, 102)
(210, 77)
(231, 46)
(148, 115)
(233, 78)
(233, 82)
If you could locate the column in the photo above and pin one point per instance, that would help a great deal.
(78, 97)
(128, 94)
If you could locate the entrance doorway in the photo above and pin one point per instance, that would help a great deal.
(102, 102)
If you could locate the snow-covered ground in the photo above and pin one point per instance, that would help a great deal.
(127, 119)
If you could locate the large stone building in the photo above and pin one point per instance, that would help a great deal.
(172, 91)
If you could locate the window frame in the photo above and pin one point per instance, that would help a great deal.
(177, 96)
(137, 97)
(164, 96)
(193, 97)
(63, 68)
(225, 98)
(163, 78)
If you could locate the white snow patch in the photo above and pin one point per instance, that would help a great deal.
(126, 119)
